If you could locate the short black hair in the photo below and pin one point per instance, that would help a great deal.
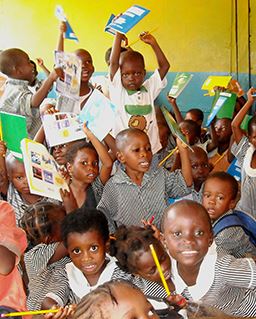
(77, 146)
(192, 125)
(130, 55)
(227, 178)
(198, 113)
(83, 220)
(10, 59)
(108, 53)
(123, 136)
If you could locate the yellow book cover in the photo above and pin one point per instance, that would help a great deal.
(213, 81)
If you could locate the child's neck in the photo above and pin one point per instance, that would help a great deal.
(84, 88)
(93, 279)
(30, 198)
(79, 190)
(135, 176)
(189, 274)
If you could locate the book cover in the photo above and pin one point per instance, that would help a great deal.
(180, 82)
(60, 14)
(61, 128)
(213, 81)
(234, 170)
(13, 130)
(107, 28)
(127, 20)
(174, 127)
(71, 66)
(99, 114)
(223, 106)
(41, 170)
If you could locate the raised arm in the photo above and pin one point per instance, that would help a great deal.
(3, 172)
(40, 62)
(106, 160)
(115, 55)
(8, 259)
(237, 131)
(60, 43)
(163, 63)
(178, 116)
(185, 163)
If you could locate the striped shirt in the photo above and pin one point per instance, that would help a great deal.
(224, 282)
(234, 241)
(41, 275)
(124, 202)
(17, 99)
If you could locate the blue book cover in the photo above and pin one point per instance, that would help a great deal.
(107, 28)
(127, 20)
(235, 170)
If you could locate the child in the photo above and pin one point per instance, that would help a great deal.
(86, 236)
(42, 225)
(219, 199)
(87, 181)
(224, 282)
(12, 245)
(140, 191)
(17, 98)
(133, 96)
(244, 151)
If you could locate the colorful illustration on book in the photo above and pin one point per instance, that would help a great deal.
(41, 170)
(127, 20)
(72, 67)
(99, 114)
(61, 128)
(180, 82)
(223, 106)
(60, 14)
(215, 81)
(12, 137)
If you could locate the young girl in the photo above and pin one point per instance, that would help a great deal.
(222, 281)
(86, 181)
(244, 151)
(41, 222)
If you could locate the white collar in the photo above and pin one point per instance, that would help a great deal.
(247, 162)
(78, 282)
(205, 276)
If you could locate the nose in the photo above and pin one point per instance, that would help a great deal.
(86, 256)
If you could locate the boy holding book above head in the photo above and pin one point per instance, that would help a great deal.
(17, 98)
(133, 96)
(140, 190)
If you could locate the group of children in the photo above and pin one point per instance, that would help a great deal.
(96, 236)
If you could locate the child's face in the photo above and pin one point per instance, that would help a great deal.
(223, 130)
(164, 133)
(137, 154)
(188, 133)
(187, 235)
(87, 251)
(193, 117)
(146, 266)
(18, 177)
(252, 136)
(85, 166)
(87, 65)
(26, 68)
(131, 303)
(132, 74)
(59, 152)
(217, 197)
(200, 167)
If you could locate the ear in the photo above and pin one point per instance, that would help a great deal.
(69, 168)
(163, 242)
(120, 157)
(107, 246)
(232, 204)
(211, 240)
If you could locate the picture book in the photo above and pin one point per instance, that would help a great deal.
(13, 130)
(234, 170)
(180, 82)
(61, 128)
(71, 66)
(214, 81)
(41, 170)
(107, 29)
(127, 20)
(99, 114)
(223, 106)
(69, 34)
(174, 127)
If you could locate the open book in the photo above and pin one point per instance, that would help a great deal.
(180, 82)
(127, 20)
(41, 170)
(13, 130)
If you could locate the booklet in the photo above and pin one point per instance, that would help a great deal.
(234, 170)
(72, 67)
(174, 127)
(69, 34)
(213, 81)
(99, 114)
(13, 130)
(127, 20)
(180, 82)
(41, 170)
(223, 106)
(61, 128)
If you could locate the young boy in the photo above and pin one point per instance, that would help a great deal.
(224, 282)
(141, 190)
(219, 199)
(133, 96)
(17, 98)
(86, 236)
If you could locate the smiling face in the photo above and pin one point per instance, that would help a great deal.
(26, 69)
(217, 197)
(87, 64)
(87, 252)
(223, 130)
(187, 233)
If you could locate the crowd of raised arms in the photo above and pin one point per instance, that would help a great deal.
(89, 255)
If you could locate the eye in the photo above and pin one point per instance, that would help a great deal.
(194, 166)
(19, 178)
(125, 75)
(162, 258)
(85, 163)
(199, 233)
(137, 73)
(94, 248)
(219, 197)
(206, 195)
(76, 251)
(152, 271)
(148, 149)
(177, 234)
(136, 150)
(95, 164)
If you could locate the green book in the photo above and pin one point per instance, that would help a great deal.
(13, 130)
(244, 124)
(180, 82)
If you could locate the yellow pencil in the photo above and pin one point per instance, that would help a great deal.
(167, 156)
(154, 255)
(135, 41)
(27, 313)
